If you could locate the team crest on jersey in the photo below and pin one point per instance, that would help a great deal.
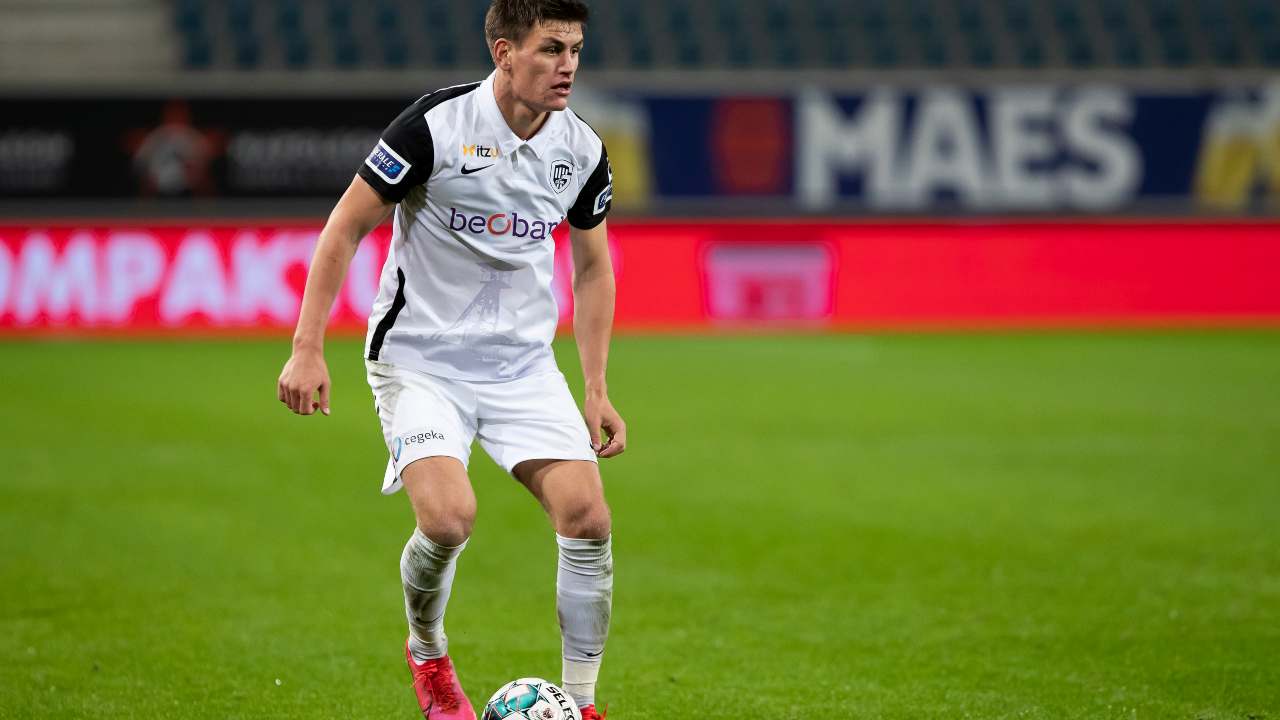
(561, 174)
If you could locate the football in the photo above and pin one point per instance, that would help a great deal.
(531, 699)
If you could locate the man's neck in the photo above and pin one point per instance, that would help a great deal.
(523, 120)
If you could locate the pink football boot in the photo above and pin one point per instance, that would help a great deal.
(439, 693)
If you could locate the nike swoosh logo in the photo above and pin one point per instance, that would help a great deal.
(467, 171)
(593, 655)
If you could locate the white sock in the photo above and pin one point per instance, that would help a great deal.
(426, 570)
(584, 599)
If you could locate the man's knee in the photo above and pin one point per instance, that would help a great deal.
(448, 526)
(584, 519)
(443, 503)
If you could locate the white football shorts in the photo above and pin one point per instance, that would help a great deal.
(527, 418)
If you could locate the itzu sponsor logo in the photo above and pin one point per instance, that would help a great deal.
(481, 151)
(501, 224)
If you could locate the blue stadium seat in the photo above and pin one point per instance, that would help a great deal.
(338, 14)
(1177, 50)
(969, 18)
(884, 51)
(592, 52)
(346, 51)
(786, 53)
(836, 51)
(197, 51)
(1066, 16)
(829, 14)
(982, 54)
(827, 33)
(288, 16)
(1078, 49)
(240, 16)
(444, 52)
(922, 16)
(297, 52)
(1115, 13)
(1017, 15)
(933, 50)
(689, 53)
(386, 15)
(739, 54)
(247, 51)
(874, 17)
(779, 16)
(1127, 49)
(1030, 53)
(640, 54)
(1224, 49)
(1270, 51)
(395, 51)
(728, 16)
(679, 18)
(1166, 16)
(189, 16)
(438, 16)
(473, 22)
(1261, 14)
(1212, 15)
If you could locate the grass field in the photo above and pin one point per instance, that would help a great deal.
(948, 526)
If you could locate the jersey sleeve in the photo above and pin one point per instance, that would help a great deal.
(596, 196)
(403, 157)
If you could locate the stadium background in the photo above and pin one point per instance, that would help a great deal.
(946, 329)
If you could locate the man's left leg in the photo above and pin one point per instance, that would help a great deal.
(573, 496)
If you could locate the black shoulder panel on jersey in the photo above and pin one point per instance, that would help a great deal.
(596, 197)
(404, 155)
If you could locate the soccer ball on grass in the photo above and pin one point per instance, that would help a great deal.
(531, 699)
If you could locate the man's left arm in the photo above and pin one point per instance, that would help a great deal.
(593, 294)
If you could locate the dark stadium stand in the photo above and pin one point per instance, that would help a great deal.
(639, 34)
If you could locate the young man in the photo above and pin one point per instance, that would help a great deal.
(458, 347)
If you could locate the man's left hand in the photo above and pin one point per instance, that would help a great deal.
(602, 419)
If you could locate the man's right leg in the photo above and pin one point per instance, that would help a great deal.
(428, 424)
(444, 508)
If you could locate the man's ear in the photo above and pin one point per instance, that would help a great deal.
(502, 50)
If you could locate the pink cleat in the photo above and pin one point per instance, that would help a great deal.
(439, 693)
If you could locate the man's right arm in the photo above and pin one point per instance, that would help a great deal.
(358, 212)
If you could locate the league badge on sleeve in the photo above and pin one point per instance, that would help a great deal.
(389, 165)
(606, 195)
(561, 174)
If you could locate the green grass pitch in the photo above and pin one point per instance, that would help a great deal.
(1054, 525)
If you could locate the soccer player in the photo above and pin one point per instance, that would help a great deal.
(458, 347)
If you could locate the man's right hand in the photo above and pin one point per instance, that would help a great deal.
(304, 375)
(358, 212)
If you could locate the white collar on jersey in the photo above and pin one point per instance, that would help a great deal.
(508, 141)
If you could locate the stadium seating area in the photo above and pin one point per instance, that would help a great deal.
(640, 34)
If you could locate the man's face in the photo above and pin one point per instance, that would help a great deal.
(544, 64)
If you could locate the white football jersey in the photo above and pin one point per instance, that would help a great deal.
(466, 290)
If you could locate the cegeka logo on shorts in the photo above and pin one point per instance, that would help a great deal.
(417, 438)
(501, 224)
